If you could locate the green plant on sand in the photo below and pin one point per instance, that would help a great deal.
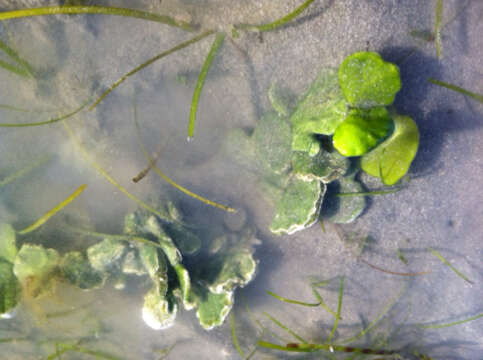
(299, 149)
(150, 248)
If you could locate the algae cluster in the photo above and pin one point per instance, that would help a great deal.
(299, 149)
(181, 266)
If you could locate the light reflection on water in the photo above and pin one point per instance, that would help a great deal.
(79, 55)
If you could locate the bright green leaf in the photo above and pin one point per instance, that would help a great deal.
(361, 131)
(390, 161)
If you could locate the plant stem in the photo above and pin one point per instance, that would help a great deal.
(339, 307)
(149, 62)
(437, 27)
(278, 297)
(440, 326)
(52, 212)
(46, 122)
(475, 96)
(106, 10)
(201, 81)
(447, 263)
(282, 326)
(295, 347)
(22, 172)
(277, 23)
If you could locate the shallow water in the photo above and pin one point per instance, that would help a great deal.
(78, 56)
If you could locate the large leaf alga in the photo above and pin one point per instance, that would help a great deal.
(391, 160)
(367, 80)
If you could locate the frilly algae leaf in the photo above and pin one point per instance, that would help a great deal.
(35, 261)
(298, 207)
(272, 138)
(8, 247)
(77, 270)
(325, 166)
(321, 110)
(367, 80)
(212, 308)
(361, 131)
(231, 265)
(239, 146)
(105, 256)
(391, 160)
(343, 210)
(235, 269)
(152, 262)
(186, 241)
(185, 285)
(10, 289)
(169, 248)
(132, 264)
(280, 99)
(158, 312)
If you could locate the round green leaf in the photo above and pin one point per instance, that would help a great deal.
(361, 131)
(367, 81)
(390, 161)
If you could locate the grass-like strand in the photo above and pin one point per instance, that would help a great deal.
(437, 28)
(284, 327)
(295, 347)
(24, 171)
(14, 69)
(128, 238)
(52, 212)
(234, 336)
(201, 81)
(478, 97)
(149, 62)
(440, 326)
(322, 304)
(379, 317)
(12, 53)
(46, 122)
(101, 171)
(13, 340)
(339, 308)
(157, 170)
(277, 23)
(104, 10)
(290, 301)
(447, 263)
(62, 348)
(393, 272)
(369, 193)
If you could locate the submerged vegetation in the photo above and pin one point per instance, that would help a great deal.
(334, 345)
(149, 248)
(340, 127)
(346, 109)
